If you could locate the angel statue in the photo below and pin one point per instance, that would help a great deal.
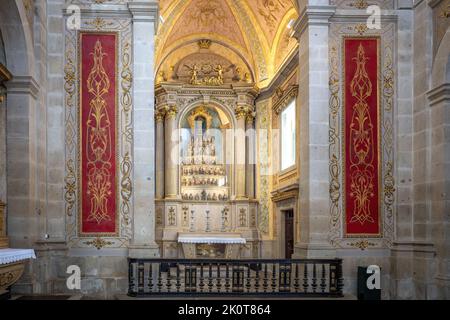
(219, 71)
(194, 73)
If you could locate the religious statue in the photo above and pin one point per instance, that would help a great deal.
(194, 74)
(161, 77)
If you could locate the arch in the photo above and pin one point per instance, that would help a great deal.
(17, 37)
(224, 109)
(441, 65)
(186, 42)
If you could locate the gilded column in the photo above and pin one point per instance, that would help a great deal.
(250, 159)
(241, 113)
(171, 153)
(159, 119)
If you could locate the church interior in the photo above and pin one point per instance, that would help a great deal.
(236, 147)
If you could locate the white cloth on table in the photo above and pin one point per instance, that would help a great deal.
(205, 239)
(10, 255)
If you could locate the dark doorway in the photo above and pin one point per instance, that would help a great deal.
(288, 233)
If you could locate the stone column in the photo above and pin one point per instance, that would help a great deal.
(250, 159)
(171, 153)
(159, 118)
(312, 32)
(439, 180)
(240, 176)
(145, 19)
(21, 144)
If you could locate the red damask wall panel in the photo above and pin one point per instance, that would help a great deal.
(97, 116)
(361, 137)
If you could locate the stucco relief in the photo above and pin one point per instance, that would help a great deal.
(206, 16)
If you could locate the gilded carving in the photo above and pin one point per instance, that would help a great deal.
(99, 23)
(126, 164)
(10, 273)
(98, 243)
(334, 150)
(171, 217)
(263, 168)
(242, 217)
(70, 187)
(362, 244)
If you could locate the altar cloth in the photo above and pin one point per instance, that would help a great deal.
(10, 255)
(210, 239)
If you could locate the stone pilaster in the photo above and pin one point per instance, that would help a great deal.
(251, 155)
(241, 113)
(312, 32)
(171, 153)
(159, 187)
(145, 19)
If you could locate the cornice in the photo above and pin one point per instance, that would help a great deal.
(313, 16)
(439, 94)
(145, 12)
(23, 84)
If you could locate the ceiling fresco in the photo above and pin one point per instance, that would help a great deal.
(256, 31)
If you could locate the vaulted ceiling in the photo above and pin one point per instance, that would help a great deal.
(254, 34)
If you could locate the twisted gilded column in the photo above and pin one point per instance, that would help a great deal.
(159, 119)
(171, 153)
(241, 114)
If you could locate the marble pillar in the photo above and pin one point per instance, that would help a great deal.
(250, 158)
(171, 154)
(145, 19)
(159, 188)
(240, 154)
(312, 32)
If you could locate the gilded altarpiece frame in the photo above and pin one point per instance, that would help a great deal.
(122, 27)
(386, 134)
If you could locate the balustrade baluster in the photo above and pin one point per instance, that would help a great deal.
(227, 278)
(159, 278)
(305, 279)
(168, 283)
(202, 284)
(274, 277)
(296, 281)
(178, 285)
(150, 277)
(219, 284)
(141, 277)
(248, 282)
(323, 284)
(314, 279)
(265, 281)
(210, 282)
(257, 285)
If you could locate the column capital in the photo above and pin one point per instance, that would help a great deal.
(171, 111)
(250, 117)
(145, 11)
(313, 16)
(241, 112)
(159, 115)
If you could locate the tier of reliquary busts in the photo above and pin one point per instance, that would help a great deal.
(203, 177)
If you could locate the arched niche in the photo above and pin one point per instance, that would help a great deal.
(205, 149)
